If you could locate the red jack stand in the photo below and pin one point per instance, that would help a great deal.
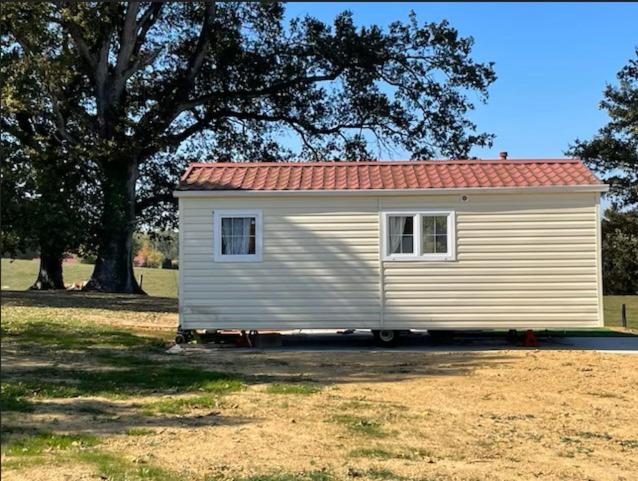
(530, 339)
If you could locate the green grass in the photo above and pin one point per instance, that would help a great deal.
(44, 441)
(12, 398)
(375, 453)
(292, 388)
(20, 274)
(612, 310)
(180, 405)
(310, 476)
(139, 432)
(114, 468)
(381, 453)
(359, 425)
(383, 474)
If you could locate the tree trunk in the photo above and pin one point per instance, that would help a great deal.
(50, 272)
(113, 270)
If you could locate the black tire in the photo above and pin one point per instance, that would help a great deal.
(180, 339)
(386, 338)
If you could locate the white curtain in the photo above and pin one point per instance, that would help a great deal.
(397, 225)
(236, 235)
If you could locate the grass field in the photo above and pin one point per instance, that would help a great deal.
(89, 393)
(20, 274)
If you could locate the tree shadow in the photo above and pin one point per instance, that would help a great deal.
(89, 300)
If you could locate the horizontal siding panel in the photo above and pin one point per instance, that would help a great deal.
(468, 224)
(335, 272)
(527, 304)
(480, 278)
(463, 285)
(524, 217)
(329, 317)
(277, 298)
(514, 247)
(200, 262)
(426, 266)
(276, 309)
(543, 322)
(498, 295)
(391, 311)
(524, 256)
(527, 233)
(281, 280)
(525, 241)
(475, 317)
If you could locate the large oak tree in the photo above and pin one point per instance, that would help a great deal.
(234, 81)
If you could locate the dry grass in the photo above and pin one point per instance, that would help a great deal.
(88, 397)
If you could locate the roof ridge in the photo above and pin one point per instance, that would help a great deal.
(380, 162)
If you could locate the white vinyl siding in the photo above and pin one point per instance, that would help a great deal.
(522, 261)
(319, 266)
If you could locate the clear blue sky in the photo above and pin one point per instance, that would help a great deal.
(552, 63)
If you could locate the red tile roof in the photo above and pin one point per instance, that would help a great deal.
(385, 175)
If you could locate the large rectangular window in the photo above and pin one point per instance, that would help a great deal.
(420, 235)
(237, 236)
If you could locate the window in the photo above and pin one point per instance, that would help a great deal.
(401, 229)
(237, 236)
(419, 236)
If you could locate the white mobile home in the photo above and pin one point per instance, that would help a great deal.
(390, 246)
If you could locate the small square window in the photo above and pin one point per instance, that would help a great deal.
(237, 236)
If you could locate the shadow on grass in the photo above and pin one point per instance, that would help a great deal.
(89, 300)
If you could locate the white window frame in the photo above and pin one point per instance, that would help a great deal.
(218, 215)
(418, 254)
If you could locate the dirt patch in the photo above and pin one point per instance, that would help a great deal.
(490, 416)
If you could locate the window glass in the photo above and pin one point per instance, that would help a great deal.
(401, 234)
(238, 235)
(434, 235)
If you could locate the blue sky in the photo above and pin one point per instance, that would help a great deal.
(552, 63)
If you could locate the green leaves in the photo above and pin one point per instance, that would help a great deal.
(613, 152)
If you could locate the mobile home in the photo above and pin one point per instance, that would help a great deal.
(390, 246)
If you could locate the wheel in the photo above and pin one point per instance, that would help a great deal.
(386, 338)
(183, 336)
(180, 339)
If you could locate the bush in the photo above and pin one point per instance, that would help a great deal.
(154, 258)
(148, 257)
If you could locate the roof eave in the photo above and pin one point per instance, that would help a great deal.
(375, 192)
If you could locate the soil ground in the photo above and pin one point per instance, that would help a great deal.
(90, 393)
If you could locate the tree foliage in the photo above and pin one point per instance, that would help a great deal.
(620, 252)
(155, 83)
(46, 189)
(613, 152)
